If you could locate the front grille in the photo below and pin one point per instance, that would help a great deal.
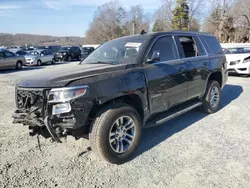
(28, 99)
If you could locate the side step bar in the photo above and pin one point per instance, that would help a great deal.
(160, 120)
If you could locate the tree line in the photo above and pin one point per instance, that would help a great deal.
(228, 20)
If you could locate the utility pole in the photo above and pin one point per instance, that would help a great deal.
(133, 24)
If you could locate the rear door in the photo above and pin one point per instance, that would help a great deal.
(49, 55)
(167, 83)
(3, 60)
(45, 56)
(10, 59)
(197, 62)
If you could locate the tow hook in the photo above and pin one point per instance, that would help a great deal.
(51, 130)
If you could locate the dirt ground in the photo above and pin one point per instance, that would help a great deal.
(194, 150)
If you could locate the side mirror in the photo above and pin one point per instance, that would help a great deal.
(155, 57)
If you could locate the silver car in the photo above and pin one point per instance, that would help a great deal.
(10, 60)
(39, 57)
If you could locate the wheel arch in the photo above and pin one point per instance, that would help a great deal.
(134, 100)
(217, 76)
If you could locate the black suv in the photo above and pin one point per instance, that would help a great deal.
(124, 86)
(68, 53)
(86, 51)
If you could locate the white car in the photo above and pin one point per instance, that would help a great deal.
(238, 58)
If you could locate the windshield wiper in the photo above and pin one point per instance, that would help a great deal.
(102, 62)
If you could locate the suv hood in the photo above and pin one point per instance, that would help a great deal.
(60, 77)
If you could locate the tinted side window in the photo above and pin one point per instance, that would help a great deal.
(200, 47)
(213, 44)
(166, 48)
(191, 46)
(1, 55)
(49, 52)
(9, 54)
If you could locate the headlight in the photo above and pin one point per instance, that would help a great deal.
(61, 108)
(64, 53)
(247, 60)
(66, 94)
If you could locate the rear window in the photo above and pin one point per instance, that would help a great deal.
(213, 44)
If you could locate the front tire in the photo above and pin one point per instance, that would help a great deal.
(116, 133)
(69, 58)
(212, 97)
(39, 63)
(79, 58)
(19, 65)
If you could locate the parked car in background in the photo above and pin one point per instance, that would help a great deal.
(91, 45)
(54, 48)
(21, 52)
(39, 57)
(68, 53)
(10, 60)
(86, 51)
(238, 58)
(125, 85)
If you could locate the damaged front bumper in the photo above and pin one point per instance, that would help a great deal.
(55, 120)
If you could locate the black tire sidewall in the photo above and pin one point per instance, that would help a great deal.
(17, 65)
(206, 102)
(53, 61)
(69, 58)
(103, 134)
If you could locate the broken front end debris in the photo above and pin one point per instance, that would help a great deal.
(52, 113)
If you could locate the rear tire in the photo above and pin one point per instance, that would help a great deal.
(19, 65)
(212, 97)
(69, 58)
(53, 61)
(39, 63)
(116, 133)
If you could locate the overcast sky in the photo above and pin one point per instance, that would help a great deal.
(56, 17)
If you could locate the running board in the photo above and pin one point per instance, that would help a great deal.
(160, 119)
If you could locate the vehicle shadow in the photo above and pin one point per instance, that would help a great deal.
(155, 135)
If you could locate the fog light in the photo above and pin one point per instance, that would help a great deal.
(61, 108)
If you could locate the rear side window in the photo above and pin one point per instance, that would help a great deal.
(191, 46)
(213, 44)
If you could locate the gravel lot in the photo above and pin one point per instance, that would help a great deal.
(194, 150)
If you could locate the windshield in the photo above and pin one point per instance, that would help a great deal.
(33, 53)
(120, 51)
(240, 50)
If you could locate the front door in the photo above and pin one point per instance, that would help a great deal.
(167, 84)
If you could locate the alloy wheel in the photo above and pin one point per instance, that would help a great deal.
(214, 99)
(122, 134)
